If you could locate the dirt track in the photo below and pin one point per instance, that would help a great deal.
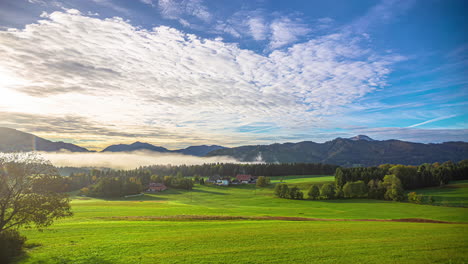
(283, 218)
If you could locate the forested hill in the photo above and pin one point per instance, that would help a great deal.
(351, 152)
(12, 140)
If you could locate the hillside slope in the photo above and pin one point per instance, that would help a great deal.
(12, 140)
(350, 152)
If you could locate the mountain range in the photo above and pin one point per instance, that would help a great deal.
(360, 150)
(199, 151)
(12, 140)
(356, 151)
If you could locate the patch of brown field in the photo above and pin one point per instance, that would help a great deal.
(282, 218)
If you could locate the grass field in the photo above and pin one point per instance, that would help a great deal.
(119, 231)
(453, 194)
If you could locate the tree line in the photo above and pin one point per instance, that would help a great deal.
(411, 177)
(232, 169)
(385, 182)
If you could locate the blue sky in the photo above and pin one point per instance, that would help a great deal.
(179, 73)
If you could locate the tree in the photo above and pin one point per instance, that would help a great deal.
(282, 190)
(327, 191)
(376, 189)
(292, 192)
(263, 181)
(415, 198)
(394, 191)
(25, 200)
(313, 192)
(355, 189)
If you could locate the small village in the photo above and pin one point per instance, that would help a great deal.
(214, 180)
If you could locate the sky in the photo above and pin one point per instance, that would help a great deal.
(192, 72)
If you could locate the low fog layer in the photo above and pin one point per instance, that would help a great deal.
(128, 160)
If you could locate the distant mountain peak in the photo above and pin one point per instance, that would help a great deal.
(12, 140)
(361, 137)
(200, 151)
(134, 146)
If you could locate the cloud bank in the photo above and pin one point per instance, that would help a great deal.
(127, 160)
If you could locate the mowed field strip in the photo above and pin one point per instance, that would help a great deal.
(211, 225)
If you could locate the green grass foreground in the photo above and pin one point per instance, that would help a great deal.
(118, 231)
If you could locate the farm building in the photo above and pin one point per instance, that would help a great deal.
(223, 182)
(213, 179)
(245, 178)
(156, 187)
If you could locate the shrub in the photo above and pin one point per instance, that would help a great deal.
(327, 191)
(356, 189)
(11, 245)
(263, 181)
(282, 190)
(314, 192)
(415, 198)
(295, 193)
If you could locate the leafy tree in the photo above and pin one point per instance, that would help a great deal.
(263, 181)
(294, 193)
(394, 190)
(375, 189)
(278, 190)
(25, 200)
(282, 190)
(339, 177)
(299, 195)
(314, 192)
(327, 191)
(338, 192)
(355, 189)
(415, 198)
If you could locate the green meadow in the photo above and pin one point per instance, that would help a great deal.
(453, 194)
(215, 224)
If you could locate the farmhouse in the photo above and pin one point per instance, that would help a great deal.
(213, 179)
(156, 187)
(245, 178)
(223, 182)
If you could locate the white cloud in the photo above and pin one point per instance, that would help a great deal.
(119, 76)
(257, 28)
(383, 12)
(112, 5)
(148, 2)
(174, 9)
(127, 160)
(285, 31)
(433, 120)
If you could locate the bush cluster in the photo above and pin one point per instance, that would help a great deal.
(11, 245)
(283, 191)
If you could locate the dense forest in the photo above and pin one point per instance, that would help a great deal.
(255, 169)
(411, 177)
(385, 182)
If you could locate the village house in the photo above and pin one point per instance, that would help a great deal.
(245, 178)
(223, 182)
(156, 187)
(213, 178)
